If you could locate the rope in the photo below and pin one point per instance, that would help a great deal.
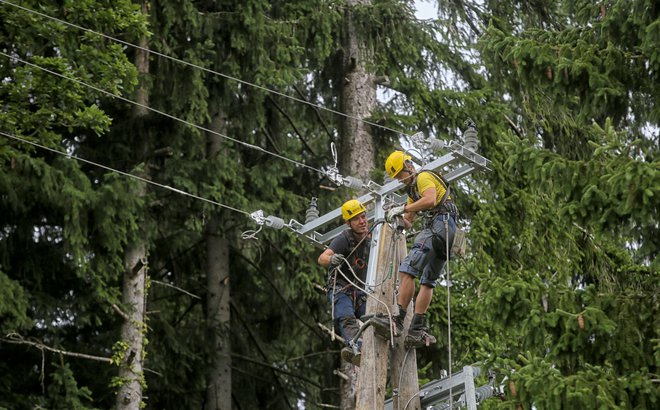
(178, 191)
(251, 233)
(451, 399)
(238, 80)
(199, 127)
(338, 269)
(411, 399)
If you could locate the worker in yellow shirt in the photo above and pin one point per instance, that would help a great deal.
(428, 193)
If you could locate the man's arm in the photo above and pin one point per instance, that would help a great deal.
(427, 201)
(325, 257)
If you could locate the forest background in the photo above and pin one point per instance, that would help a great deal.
(115, 292)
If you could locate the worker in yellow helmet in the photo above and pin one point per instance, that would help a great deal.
(427, 192)
(346, 259)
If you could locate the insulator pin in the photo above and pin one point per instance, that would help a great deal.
(353, 182)
(435, 144)
(274, 222)
(312, 212)
(484, 392)
(470, 136)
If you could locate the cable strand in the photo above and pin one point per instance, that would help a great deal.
(199, 127)
(178, 191)
(208, 70)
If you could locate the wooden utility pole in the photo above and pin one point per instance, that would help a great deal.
(403, 367)
(376, 352)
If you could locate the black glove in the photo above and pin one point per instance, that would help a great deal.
(336, 259)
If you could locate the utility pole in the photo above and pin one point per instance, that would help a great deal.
(375, 351)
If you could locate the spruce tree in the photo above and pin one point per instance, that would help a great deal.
(64, 221)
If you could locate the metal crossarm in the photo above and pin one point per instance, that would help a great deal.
(460, 386)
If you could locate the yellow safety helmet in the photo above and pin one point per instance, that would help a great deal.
(394, 163)
(351, 209)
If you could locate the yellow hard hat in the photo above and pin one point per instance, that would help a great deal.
(394, 163)
(351, 209)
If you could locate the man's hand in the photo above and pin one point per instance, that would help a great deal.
(394, 212)
(336, 259)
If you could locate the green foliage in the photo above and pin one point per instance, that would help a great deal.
(13, 306)
(64, 392)
(57, 274)
(558, 295)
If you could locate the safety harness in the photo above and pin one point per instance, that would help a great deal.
(446, 204)
(358, 258)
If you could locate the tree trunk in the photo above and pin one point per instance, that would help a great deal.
(357, 152)
(218, 390)
(358, 100)
(134, 292)
(129, 394)
(142, 64)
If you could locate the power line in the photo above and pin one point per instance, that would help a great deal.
(161, 112)
(178, 191)
(208, 70)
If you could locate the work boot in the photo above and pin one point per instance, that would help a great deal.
(350, 356)
(418, 335)
(382, 325)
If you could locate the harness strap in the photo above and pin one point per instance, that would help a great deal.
(445, 205)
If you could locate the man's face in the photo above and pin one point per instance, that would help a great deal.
(359, 224)
(405, 176)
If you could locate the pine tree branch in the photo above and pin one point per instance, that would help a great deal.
(176, 287)
(334, 336)
(257, 344)
(293, 125)
(340, 374)
(120, 312)
(270, 139)
(318, 114)
(15, 338)
(474, 28)
(328, 406)
(277, 369)
(514, 127)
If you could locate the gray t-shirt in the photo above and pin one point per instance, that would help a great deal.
(344, 244)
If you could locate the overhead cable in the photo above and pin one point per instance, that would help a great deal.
(208, 70)
(161, 112)
(178, 191)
